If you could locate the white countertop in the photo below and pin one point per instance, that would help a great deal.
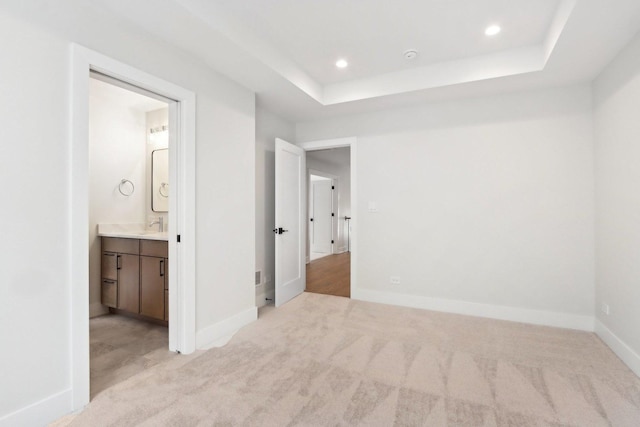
(131, 231)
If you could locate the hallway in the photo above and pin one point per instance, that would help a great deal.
(330, 275)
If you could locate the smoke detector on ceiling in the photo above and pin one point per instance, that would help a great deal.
(410, 54)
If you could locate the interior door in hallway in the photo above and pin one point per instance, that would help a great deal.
(290, 194)
(321, 215)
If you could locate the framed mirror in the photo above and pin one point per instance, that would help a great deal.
(160, 180)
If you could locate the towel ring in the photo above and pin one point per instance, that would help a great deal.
(164, 186)
(124, 191)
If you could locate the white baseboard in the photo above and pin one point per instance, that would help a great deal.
(96, 309)
(40, 413)
(219, 334)
(514, 314)
(619, 347)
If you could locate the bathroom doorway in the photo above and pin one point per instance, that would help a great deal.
(178, 260)
(129, 198)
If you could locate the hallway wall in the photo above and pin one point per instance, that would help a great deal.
(35, 162)
(485, 206)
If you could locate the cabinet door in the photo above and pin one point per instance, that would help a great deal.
(152, 274)
(166, 305)
(166, 274)
(129, 282)
(109, 266)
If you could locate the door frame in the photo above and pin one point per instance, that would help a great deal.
(335, 207)
(350, 142)
(182, 327)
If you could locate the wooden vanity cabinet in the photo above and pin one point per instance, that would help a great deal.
(121, 273)
(135, 276)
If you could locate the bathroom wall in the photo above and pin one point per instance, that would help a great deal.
(155, 119)
(117, 150)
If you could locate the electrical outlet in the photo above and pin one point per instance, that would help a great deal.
(605, 308)
(394, 280)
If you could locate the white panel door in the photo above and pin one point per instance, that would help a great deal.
(322, 220)
(290, 221)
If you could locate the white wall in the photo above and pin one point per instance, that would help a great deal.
(486, 201)
(268, 128)
(156, 119)
(617, 128)
(336, 162)
(117, 140)
(35, 165)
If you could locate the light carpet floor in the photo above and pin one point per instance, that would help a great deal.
(330, 361)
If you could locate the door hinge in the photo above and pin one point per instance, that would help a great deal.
(332, 214)
(333, 187)
(332, 242)
(178, 238)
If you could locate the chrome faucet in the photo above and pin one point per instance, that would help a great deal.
(160, 223)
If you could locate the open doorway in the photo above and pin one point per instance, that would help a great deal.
(291, 221)
(328, 269)
(181, 227)
(129, 194)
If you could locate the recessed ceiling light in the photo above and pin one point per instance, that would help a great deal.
(341, 63)
(492, 30)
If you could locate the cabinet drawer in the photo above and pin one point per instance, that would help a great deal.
(109, 293)
(123, 246)
(110, 265)
(158, 248)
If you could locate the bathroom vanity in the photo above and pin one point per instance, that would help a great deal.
(135, 276)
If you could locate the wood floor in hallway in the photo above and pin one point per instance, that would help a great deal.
(330, 275)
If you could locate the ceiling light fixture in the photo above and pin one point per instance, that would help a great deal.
(341, 63)
(492, 30)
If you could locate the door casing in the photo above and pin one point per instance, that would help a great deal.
(181, 172)
(350, 142)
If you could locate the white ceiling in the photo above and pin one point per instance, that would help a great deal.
(285, 50)
(314, 34)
